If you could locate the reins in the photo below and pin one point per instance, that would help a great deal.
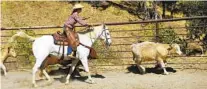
(85, 46)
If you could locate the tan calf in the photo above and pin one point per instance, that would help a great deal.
(149, 51)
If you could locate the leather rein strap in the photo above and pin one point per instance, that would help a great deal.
(85, 46)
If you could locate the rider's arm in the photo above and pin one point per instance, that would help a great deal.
(67, 25)
(80, 20)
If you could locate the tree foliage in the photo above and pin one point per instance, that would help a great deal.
(198, 30)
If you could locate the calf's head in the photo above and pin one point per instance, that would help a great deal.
(176, 49)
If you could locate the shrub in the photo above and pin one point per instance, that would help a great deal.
(168, 36)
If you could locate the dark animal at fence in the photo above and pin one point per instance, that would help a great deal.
(8, 51)
(192, 47)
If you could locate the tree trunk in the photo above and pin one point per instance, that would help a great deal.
(163, 10)
(172, 10)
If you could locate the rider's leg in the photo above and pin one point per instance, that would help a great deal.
(72, 40)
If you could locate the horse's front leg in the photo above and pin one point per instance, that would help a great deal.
(74, 62)
(34, 70)
(85, 65)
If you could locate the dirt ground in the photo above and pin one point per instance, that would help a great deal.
(128, 78)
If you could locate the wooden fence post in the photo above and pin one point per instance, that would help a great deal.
(157, 32)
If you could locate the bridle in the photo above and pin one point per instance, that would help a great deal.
(107, 39)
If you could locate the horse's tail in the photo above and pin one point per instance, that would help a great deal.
(24, 35)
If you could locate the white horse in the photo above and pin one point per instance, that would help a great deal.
(44, 46)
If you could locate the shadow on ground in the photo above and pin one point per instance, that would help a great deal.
(134, 69)
(75, 75)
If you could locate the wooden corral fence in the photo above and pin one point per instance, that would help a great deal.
(121, 41)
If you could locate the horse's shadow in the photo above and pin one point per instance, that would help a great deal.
(83, 78)
(74, 76)
(135, 70)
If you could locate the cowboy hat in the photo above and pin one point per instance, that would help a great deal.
(77, 6)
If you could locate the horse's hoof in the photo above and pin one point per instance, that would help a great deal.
(142, 71)
(67, 82)
(49, 82)
(35, 85)
(5, 74)
(165, 73)
(90, 81)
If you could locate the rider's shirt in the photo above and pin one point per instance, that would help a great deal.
(73, 19)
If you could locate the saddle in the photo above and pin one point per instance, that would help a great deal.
(60, 39)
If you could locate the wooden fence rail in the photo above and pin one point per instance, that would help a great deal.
(110, 23)
(156, 30)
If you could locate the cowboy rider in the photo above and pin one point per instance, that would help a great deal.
(69, 28)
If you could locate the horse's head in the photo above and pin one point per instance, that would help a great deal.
(105, 35)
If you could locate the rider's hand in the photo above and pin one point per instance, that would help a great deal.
(89, 26)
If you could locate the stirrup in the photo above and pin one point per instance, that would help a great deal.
(71, 55)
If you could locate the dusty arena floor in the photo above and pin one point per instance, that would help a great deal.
(124, 79)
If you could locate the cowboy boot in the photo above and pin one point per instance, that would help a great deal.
(71, 55)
